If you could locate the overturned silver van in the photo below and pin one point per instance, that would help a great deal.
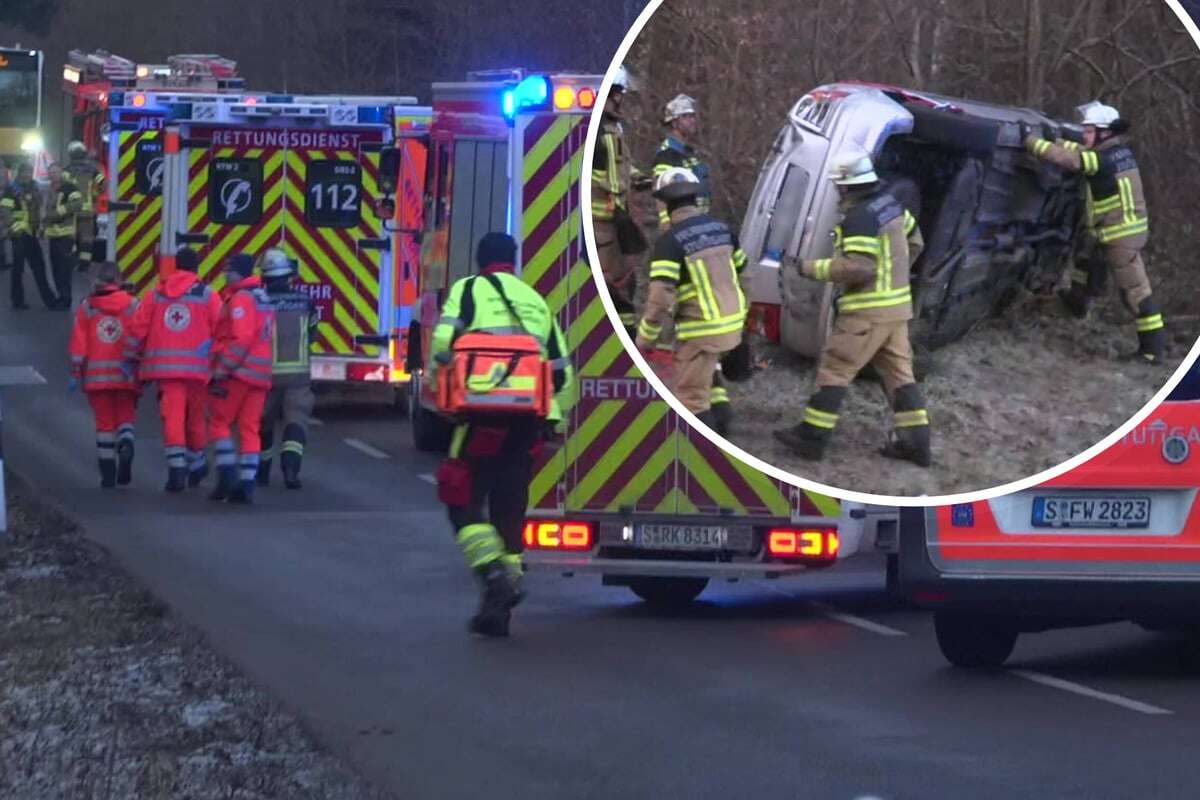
(993, 217)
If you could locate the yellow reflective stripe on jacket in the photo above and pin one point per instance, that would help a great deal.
(1071, 146)
(648, 330)
(687, 293)
(861, 244)
(692, 329)
(739, 259)
(1114, 232)
(1106, 205)
(664, 270)
(705, 297)
(485, 383)
(614, 175)
(1091, 162)
(1127, 203)
(821, 268)
(910, 222)
(858, 301)
(1041, 146)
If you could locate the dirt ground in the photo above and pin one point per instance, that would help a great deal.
(1021, 393)
(103, 694)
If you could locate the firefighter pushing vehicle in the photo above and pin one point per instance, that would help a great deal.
(635, 495)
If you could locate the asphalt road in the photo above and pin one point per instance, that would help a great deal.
(348, 602)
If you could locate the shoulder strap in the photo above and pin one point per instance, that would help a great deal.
(468, 302)
(498, 285)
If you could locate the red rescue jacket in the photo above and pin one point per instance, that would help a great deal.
(244, 335)
(98, 340)
(172, 332)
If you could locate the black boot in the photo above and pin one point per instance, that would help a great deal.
(498, 598)
(1074, 300)
(723, 418)
(124, 462)
(108, 473)
(291, 476)
(1152, 336)
(708, 418)
(243, 493)
(263, 476)
(227, 480)
(196, 475)
(291, 454)
(910, 440)
(810, 438)
(176, 479)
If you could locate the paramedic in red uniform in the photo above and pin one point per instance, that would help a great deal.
(241, 378)
(171, 338)
(97, 342)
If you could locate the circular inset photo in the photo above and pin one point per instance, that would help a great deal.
(905, 250)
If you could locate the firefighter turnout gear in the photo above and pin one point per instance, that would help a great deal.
(874, 247)
(169, 342)
(96, 348)
(696, 280)
(484, 482)
(673, 153)
(616, 232)
(290, 399)
(87, 175)
(21, 207)
(63, 204)
(1118, 228)
(242, 371)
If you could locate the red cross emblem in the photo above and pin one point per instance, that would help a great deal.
(177, 317)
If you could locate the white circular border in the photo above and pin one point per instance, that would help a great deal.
(762, 466)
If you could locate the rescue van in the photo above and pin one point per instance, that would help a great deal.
(228, 173)
(634, 494)
(20, 103)
(1117, 538)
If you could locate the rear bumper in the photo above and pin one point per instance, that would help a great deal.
(1040, 601)
(347, 369)
(541, 561)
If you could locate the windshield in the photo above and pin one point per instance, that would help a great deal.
(19, 89)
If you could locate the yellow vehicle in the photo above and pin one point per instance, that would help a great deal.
(20, 103)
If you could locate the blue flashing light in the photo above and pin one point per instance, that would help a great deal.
(530, 94)
(962, 515)
(372, 115)
(116, 99)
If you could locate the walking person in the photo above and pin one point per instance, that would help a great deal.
(21, 208)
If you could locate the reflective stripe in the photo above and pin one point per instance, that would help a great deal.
(560, 363)
(649, 331)
(820, 419)
(1106, 205)
(481, 544)
(1114, 232)
(739, 259)
(169, 353)
(718, 394)
(498, 399)
(863, 300)
(910, 222)
(107, 364)
(698, 272)
(664, 270)
(862, 244)
(911, 419)
(1149, 323)
(150, 372)
(1091, 162)
(821, 268)
(1040, 147)
(692, 329)
(1127, 203)
(292, 447)
(90, 380)
(457, 440)
(1079, 276)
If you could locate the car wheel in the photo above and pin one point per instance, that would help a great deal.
(974, 641)
(668, 592)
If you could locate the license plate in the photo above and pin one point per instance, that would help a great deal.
(329, 370)
(1091, 512)
(682, 537)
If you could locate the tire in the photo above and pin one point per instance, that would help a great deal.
(668, 592)
(974, 641)
(430, 433)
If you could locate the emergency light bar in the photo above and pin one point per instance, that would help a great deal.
(541, 93)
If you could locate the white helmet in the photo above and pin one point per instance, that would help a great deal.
(76, 148)
(275, 263)
(624, 80)
(676, 183)
(852, 167)
(681, 106)
(1098, 115)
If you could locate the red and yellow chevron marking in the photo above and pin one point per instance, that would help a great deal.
(137, 231)
(332, 256)
(227, 240)
(625, 447)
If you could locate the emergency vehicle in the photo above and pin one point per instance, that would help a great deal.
(244, 172)
(634, 494)
(20, 103)
(1117, 538)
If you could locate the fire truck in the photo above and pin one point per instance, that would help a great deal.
(20, 103)
(634, 495)
(1115, 539)
(231, 172)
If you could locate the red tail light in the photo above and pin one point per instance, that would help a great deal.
(556, 535)
(807, 545)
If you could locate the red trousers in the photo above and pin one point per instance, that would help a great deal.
(183, 405)
(243, 407)
(113, 409)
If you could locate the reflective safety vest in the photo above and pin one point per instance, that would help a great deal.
(611, 172)
(67, 202)
(20, 210)
(172, 333)
(89, 177)
(484, 311)
(98, 340)
(295, 319)
(245, 335)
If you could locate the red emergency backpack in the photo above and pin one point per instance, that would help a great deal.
(494, 373)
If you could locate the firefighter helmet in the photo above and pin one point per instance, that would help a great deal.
(624, 80)
(76, 148)
(275, 264)
(677, 183)
(1098, 115)
(681, 106)
(853, 167)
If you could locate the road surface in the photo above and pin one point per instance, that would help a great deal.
(348, 600)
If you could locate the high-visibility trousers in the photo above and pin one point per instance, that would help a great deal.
(183, 406)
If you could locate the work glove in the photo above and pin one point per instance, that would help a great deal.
(72, 385)
(129, 369)
(218, 389)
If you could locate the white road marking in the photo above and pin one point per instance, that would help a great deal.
(1085, 691)
(838, 616)
(363, 447)
(428, 478)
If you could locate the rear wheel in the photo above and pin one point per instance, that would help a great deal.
(430, 433)
(668, 592)
(974, 641)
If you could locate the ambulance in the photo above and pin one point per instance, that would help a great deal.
(634, 495)
(243, 172)
(1115, 539)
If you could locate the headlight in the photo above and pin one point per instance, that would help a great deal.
(32, 142)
